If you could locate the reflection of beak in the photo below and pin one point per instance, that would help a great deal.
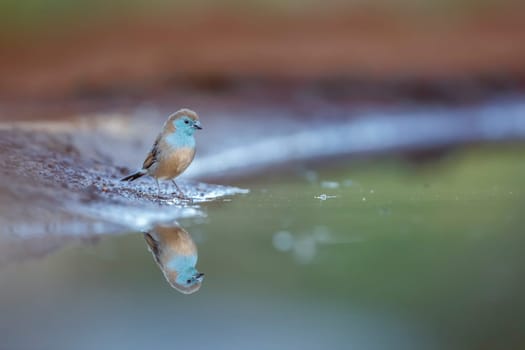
(197, 125)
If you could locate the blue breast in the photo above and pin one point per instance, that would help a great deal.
(180, 140)
(182, 262)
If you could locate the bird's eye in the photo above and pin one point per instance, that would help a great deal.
(188, 281)
(186, 121)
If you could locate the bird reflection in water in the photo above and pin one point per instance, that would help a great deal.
(176, 254)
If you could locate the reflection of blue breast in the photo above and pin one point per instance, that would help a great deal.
(182, 262)
(180, 140)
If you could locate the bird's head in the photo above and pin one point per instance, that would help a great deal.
(184, 121)
(188, 281)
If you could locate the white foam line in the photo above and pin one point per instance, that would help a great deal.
(373, 132)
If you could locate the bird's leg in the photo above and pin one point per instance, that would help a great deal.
(181, 194)
(158, 188)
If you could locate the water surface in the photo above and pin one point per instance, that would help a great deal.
(377, 229)
(399, 255)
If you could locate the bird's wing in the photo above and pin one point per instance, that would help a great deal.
(152, 156)
(153, 245)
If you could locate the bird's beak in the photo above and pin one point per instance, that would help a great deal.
(197, 125)
(199, 276)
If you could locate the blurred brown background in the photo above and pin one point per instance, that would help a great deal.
(72, 49)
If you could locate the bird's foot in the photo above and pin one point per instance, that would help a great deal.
(159, 198)
(182, 197)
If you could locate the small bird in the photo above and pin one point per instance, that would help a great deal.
(172, 151)
(176, 254)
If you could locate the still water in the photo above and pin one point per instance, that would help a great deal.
(382, 253)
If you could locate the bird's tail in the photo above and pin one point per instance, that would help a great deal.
(134, 176)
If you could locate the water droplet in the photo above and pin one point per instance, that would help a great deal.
(324, 197)
(283, 241)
